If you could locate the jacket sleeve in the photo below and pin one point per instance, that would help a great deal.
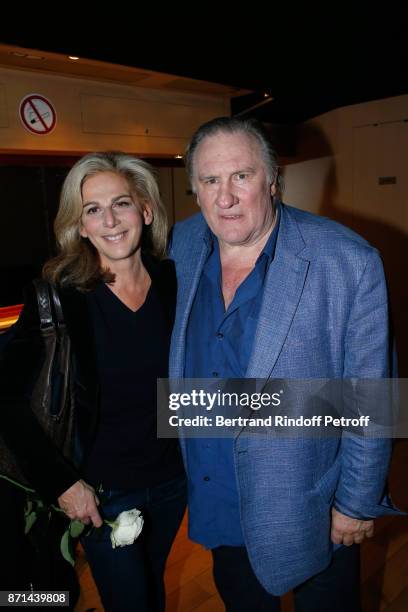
(20, 364)
(365, 459)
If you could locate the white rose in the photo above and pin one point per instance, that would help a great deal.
(126, 528)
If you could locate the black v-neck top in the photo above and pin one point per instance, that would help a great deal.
(132, 352)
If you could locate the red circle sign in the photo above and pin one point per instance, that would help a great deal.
(37, 114)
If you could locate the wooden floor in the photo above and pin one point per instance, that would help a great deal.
(190, 586)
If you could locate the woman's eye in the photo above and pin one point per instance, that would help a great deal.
(122, 204)
(92, 210)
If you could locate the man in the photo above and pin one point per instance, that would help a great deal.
(269, 291)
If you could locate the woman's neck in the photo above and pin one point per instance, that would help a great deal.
(132, 282)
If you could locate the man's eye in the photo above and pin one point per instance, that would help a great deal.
(122, 204)
(210, 181)
(241, 176)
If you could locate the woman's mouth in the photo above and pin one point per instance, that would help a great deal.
(115, 238)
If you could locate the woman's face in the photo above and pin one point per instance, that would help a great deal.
(112, 217)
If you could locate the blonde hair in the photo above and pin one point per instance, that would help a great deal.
(77, 262)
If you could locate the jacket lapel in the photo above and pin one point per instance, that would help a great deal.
(163, 275)
(80, 331)
(282, 292)
(192, 265)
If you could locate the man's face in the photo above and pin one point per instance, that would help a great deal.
(233, 189)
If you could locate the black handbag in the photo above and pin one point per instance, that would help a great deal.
(52, 398)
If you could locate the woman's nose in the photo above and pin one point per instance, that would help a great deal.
(109, 219)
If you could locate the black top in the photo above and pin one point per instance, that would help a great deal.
(43, 465)
(132, 352)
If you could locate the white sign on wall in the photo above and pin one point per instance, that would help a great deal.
(37, 114)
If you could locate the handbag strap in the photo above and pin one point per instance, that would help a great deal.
(44, 290)
(57, 305)
(44, 306)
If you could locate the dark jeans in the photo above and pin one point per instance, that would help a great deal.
(335, 589)
(131, 577)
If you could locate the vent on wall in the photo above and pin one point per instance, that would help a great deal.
(387, 180)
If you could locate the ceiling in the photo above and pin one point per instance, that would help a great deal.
(304, 67)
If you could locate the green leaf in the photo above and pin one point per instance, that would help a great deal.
(28, 508)
(76, 528)
(66, 547)
(29, 521)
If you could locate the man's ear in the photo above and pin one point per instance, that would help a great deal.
(273, 189)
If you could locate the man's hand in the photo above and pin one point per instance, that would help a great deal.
(80, 502)
(348, 531)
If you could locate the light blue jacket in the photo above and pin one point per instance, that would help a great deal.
(324, 314)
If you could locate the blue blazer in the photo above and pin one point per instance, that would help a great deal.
(324, 314)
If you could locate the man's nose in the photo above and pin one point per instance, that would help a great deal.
(109, 219)
(226, 197)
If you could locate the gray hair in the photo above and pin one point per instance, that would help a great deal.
(234, 125)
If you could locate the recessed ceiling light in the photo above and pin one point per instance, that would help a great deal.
(178, 157)
(34, 57)
(73, 57)
(17, 53)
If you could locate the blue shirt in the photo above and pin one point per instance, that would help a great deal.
(219, 344)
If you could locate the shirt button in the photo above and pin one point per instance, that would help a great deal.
(215, 374)
(220, 335)
(206, 478)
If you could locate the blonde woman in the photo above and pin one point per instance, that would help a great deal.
(118, 299)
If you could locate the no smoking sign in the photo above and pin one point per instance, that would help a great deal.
(37, 114)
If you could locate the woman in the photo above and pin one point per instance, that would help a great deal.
(118, 300)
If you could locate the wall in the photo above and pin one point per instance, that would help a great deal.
(351, 165)
(332, 151)
(99, 116)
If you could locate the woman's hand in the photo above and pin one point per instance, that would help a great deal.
(80, 502)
